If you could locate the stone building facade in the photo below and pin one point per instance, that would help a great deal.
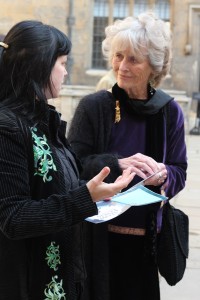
(75, 18)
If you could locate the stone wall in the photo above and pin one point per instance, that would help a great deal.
(186, 35)
(69, 98)
(48, 11)
(75, 18)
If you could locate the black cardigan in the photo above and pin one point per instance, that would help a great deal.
(97, 147)
(89, 136)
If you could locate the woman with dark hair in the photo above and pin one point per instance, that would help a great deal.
(133, 124)
(42, 201)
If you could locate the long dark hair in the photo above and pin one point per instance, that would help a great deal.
(26, 65)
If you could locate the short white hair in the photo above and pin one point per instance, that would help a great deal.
(148, 37)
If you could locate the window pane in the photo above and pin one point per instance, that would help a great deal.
(101, 15)
(121, 9)
(99, 34)
(140, 6)
(162, 9)
(101, 8)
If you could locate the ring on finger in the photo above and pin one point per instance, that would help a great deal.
(161, 180)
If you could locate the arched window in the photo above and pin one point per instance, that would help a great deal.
(106, 11)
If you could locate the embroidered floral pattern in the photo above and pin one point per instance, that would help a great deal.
(43, 161)
(53, 256)
(54, 290)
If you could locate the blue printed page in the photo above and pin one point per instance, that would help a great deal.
(118, 204)
(138, 196)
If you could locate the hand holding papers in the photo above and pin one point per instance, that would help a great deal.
(135, 196)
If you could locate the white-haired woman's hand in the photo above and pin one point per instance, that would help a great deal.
(144, 166)
(159, 178)
(141, 164)
(99, 190)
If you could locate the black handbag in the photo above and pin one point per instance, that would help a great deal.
(173, 244)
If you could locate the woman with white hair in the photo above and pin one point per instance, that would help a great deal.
(135, 125)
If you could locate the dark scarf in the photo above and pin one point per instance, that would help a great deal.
(153, 109)
(157, 99)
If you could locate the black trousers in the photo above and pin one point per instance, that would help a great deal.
(132, 276)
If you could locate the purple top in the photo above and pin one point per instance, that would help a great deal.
(135, 129)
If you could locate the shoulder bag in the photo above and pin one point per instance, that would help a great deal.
(173, 244)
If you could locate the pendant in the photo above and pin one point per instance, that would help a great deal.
(117, 112)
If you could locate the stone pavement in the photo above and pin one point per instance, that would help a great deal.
(188, 200)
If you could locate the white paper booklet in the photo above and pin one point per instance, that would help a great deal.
(108, 210)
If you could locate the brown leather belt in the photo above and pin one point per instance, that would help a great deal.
(126, 230)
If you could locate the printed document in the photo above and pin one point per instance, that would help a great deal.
(119, 203)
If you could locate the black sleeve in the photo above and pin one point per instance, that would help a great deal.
(89, 139)
(20, 215)
(93, 164)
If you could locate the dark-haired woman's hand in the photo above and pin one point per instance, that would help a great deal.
(100, 190)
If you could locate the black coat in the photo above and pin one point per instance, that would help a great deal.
(41, 208)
